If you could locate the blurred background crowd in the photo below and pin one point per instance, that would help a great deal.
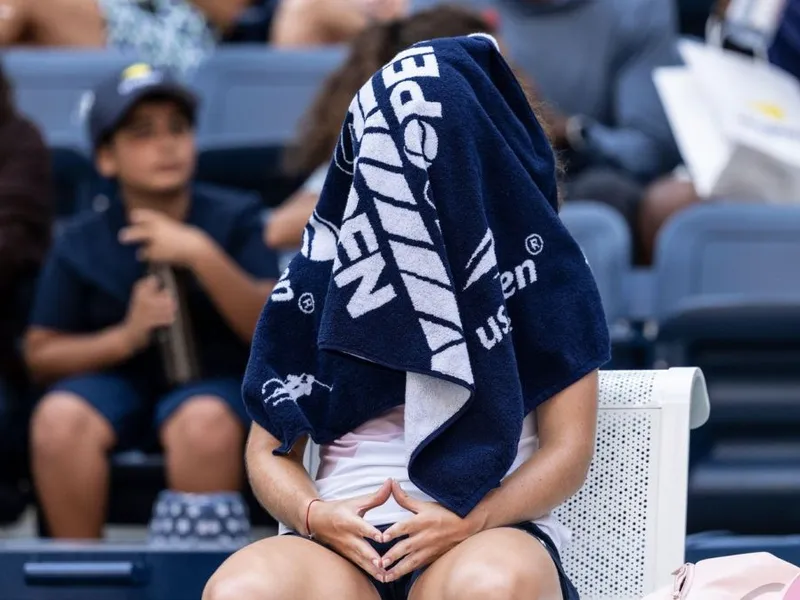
(92, 426)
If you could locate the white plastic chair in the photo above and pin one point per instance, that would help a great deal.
(628, 521)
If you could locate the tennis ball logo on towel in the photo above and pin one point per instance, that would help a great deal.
(319, 239)
(421, 143)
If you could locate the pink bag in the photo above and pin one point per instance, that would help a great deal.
(756, 576)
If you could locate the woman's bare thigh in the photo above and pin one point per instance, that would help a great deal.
(497, 563)
(283, 567)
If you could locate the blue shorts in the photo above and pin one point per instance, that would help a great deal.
(399, 590)
(133, 410)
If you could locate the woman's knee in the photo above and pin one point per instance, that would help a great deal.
(488, 579)
(61, 420)
(204, 426)
(254, 585)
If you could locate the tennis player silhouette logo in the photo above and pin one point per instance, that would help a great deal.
(277, 390)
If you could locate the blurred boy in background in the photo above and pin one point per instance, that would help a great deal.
(97, 309)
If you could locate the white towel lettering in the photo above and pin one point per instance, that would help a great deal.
(408, 67)
(513, 281)
(521, 277)
(366, 297)
(319, 239)
(358, 227)
(392, 196)
(282, 292)
(499, 327)
(407, 99)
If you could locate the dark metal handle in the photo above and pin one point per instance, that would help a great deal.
(83, 573)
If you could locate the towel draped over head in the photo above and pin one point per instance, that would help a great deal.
(435, 273)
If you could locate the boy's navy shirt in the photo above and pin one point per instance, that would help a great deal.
(87, 281)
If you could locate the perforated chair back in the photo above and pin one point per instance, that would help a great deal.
(628, 521)
(605, 240)
(719, 249)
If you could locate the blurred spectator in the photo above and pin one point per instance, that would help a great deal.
(96, 311)
(592, 62)
(26, 213)
(318, 22)
(321, 127)
(174, 33)
(179, 34)
(675, 192)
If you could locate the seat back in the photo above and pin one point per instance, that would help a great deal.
(727, 296)
(51, 88)
(605, 240)
(628, 520)
(728, 250)
(255, 96)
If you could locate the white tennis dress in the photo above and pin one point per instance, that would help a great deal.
(359, 462)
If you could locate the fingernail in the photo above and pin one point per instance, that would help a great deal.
(379, 538)
(376, 562)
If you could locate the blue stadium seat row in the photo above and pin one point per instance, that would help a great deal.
(252, 103)
(251, 96)
(725, 294)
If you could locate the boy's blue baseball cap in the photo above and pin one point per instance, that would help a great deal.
(115, 97)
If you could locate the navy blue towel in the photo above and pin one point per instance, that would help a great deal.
(434, 273)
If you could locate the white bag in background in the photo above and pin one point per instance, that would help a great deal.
(737, 124)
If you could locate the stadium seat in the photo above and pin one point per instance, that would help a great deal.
(51, 87)
(253, 102)
(711, 545)
(66, 571)
(256, 97)
(605, 240)
(727, 296)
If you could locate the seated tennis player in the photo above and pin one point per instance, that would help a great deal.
(439, 338)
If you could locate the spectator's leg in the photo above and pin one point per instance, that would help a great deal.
(66, 23)
(300, 23)
(70, 441)
(288, 567)
(662, 200)
(73, 428)
(609, 186)
(14, 21)
(204, 440)
(613, 188)
(498, 563)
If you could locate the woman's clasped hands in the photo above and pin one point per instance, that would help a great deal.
(429, 533)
